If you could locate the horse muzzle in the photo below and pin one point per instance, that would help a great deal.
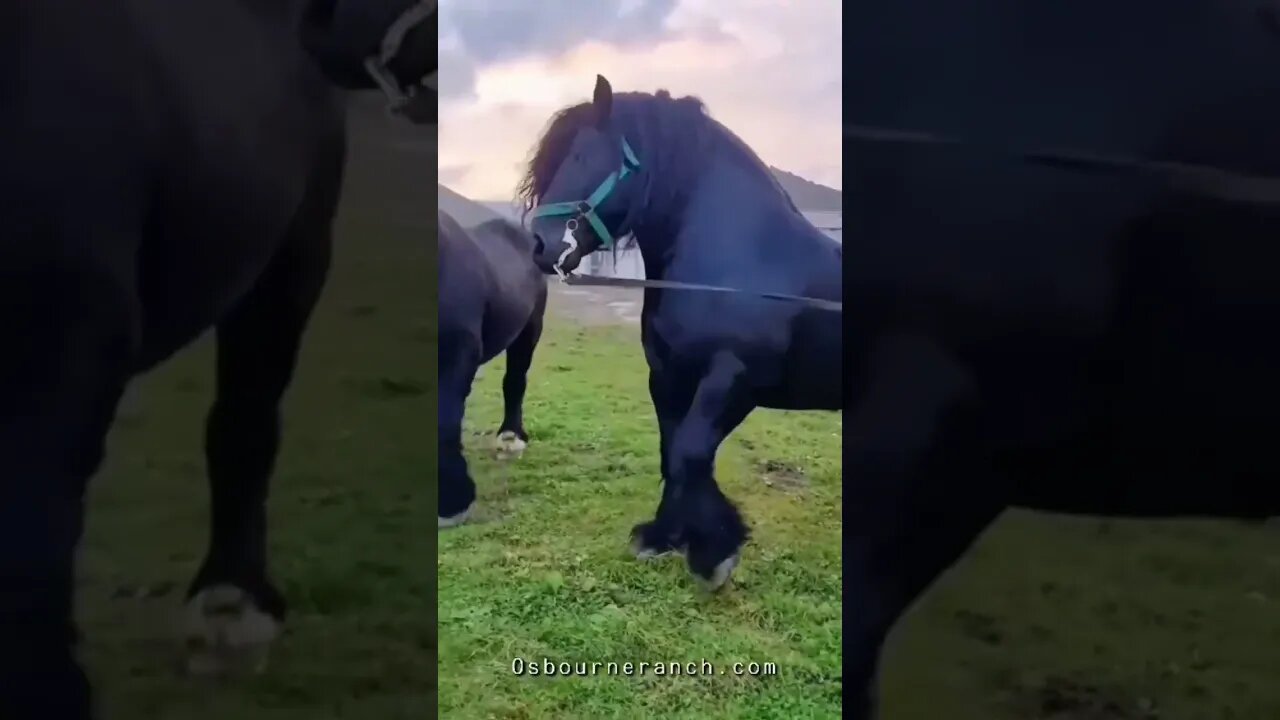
(557, 257)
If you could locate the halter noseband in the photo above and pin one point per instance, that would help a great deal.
(586, 209)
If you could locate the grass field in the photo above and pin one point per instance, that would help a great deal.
(543, 571)
(1053, 618)
(351, 536)
(1049, 618)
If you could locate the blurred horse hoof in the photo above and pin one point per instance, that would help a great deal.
(719, 574)
(509, 446)
(647, 544)
(226, 633)
(453, 520)
(644, 552)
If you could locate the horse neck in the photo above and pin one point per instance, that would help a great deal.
(664, 217)
(660, 218)
(655, 232)
(673, 186)
(654, 250)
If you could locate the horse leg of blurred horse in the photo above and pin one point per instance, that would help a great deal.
(71, 331)
(671, 404)
(459, 357)
(512, 438)
(708, 524)
(234, 611)
(919, 494)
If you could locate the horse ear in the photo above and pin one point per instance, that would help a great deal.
(602, 101)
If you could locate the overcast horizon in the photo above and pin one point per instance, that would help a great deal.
(770, 72)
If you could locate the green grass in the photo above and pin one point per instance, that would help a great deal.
(350, 515)
(543, 571)
(1053, 618)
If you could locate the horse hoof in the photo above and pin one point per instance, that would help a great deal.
(509, 446)
(647, 544)
(226, 633)
(719, 574)
(453, 520)
(645, 552)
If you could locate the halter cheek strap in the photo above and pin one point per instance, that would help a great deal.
(586, 209)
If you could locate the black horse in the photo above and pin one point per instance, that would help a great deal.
(167, 168)
(492, 300)
(1040, 330)
(702, 208)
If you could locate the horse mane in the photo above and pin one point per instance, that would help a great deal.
(671, 136)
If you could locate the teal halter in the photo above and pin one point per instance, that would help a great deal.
(586, 209)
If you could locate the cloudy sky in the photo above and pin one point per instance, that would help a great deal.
(768, 69)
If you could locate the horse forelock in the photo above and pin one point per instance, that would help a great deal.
(549, 151)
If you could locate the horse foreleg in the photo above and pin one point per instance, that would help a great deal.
(459, 359)
(693, 510)
(512, 438)
(671, 404)
(234, 610)
(919, 493)
(70, 341)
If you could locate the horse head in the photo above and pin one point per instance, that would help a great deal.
(583, 184)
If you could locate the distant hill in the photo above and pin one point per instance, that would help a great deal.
(808, 195)
(467, 212)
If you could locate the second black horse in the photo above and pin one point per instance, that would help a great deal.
(492, 300)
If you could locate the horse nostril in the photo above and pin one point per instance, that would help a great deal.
(537, 245)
